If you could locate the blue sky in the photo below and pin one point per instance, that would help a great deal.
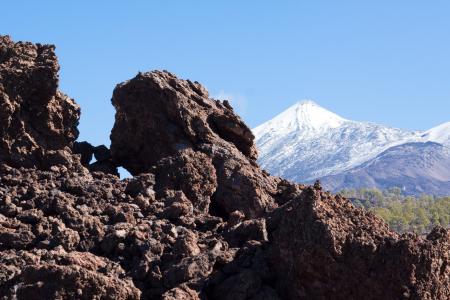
(383, 61)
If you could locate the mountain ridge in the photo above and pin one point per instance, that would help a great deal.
(317, 143)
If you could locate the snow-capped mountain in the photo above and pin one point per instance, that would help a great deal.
(307, 142)
(439, 134)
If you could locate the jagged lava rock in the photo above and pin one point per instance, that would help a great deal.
(190, 171)
(161, 244)
(56, 274)
(322, 247)
(160, 116)
(38, 122)
(163, 114)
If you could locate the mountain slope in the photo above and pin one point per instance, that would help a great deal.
(439, 134)
(307, 142)
(293, 146)
(417, 168)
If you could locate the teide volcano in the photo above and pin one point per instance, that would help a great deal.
(307, 142)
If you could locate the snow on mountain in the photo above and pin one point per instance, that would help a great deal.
(305, 115)
(306, 142)
(439, 134)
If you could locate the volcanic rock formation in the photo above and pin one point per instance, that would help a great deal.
(38, 122)
(160, 116)
(199, 219)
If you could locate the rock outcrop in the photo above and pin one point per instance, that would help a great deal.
(38, 122)
(198, 220)
(318, 239)
(160, 116)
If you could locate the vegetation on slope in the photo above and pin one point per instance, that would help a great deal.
(403, 213)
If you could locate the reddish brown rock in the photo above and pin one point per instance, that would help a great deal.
(60, 275)
(39, 123)
(160, 116)
(189, 171)
(160, 243)
(181, 293)
(158, 100)
(322, 247)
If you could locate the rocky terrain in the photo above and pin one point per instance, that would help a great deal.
(198, 220)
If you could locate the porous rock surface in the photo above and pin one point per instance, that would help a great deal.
(38, 122)
(160, 116)
(198, 220)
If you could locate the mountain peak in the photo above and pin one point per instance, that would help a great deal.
(307, 114)
(303, 115)
(306, 102)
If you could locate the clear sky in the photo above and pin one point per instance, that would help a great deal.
(381, 61)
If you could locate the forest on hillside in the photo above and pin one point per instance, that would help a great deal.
(403, 213)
